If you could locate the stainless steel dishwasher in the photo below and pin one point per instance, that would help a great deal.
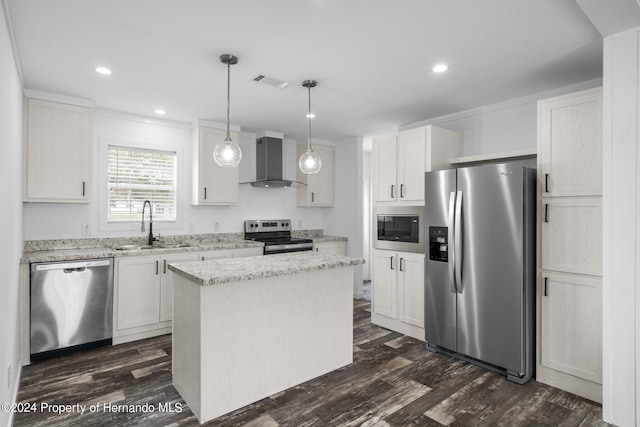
(71, 306)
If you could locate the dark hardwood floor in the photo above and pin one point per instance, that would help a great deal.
(393, 381)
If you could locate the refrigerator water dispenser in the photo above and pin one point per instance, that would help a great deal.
(438, 244)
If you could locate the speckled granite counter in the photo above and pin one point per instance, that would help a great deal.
(234, 270)
(73, 249)
(325, 238)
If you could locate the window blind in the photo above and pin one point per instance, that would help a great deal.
(136, 175)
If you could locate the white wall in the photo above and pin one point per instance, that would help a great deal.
(345, 218)
(58, 221)
(10, 216)
(505, 126)
(621, 231)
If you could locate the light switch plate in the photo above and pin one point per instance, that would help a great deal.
(86, 229)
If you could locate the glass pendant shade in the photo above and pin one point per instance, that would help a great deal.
(227, 153)
(310, 162)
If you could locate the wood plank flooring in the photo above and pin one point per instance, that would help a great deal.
(393, 381)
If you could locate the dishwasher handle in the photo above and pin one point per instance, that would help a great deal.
(75, 266)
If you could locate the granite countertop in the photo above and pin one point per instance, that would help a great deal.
(69, 254)
(215, 272)
(326, 238)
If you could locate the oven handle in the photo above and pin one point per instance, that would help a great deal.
(298, 246)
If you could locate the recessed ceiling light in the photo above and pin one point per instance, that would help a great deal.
(103, 70)
(311, 116)
(160, 112)
(440, 68)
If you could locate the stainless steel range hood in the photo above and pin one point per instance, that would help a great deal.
(269, 164)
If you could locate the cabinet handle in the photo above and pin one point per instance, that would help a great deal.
(393, 187)
(84, 185)
(164, 268)
(546, 182)
(401, 190)
(203, 258)
(157, 266)
(391, 262)
(546, 281)
(546, 212)
(205, 193)
(316, 249)
(313, 197)
(401, 260)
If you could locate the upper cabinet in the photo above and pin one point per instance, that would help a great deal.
(319, 188)
(211, 184)
(57, 152)
(400, 162)
(570, 144)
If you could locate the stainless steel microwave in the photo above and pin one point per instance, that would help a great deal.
(400, 228)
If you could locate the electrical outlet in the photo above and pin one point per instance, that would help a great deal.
(192, 227)
(299, 223)
(217, 227)
(9, 376)
(86, 229)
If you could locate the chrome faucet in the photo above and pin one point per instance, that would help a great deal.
(151, 238)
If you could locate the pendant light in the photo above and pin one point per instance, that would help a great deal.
(227, 153)
(309, 162)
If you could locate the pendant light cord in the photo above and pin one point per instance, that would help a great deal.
(228, 98)
(309, 117)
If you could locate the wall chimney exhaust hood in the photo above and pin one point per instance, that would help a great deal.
(269, 164)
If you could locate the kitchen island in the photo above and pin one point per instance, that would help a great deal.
(244, 329)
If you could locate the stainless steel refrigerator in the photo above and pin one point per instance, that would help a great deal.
(480, 266)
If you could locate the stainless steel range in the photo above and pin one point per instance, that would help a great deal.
(276, 236)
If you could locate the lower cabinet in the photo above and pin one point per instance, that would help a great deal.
(570, 348)
(331, 248)
(397, 292)
(229, 253)
(144, 296)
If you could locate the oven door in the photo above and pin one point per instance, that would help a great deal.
(400, 228)
(279, 248)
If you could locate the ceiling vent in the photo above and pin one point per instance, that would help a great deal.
(280, 84)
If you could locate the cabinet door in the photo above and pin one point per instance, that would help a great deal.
(383, 286)
(411, 288)
(244, 252)
(411, 164)
(57, 152)
(570, 144)
(320, 185)
(138, 291)
(572, 235)
(571, 323)
(384, 169)
(219, 254)
(166, 283)
(215, 185)
(330, 248)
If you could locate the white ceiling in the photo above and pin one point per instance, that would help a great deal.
(372, 58)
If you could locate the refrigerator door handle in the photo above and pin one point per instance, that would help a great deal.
(451, 241)
(458, 242)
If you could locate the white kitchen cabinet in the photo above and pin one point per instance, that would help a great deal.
(400, 162)
(571, 326)
(57, 152)
(569, 291)
(144, 295)
(319, 188)
(211, 184)
(572, 235)
(230, 253)
(331, 248)
(397, 292)
(570, 144)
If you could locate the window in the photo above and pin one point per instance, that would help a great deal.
(135, 175)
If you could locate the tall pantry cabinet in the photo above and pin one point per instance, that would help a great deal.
(399, 164)
(569, 310)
